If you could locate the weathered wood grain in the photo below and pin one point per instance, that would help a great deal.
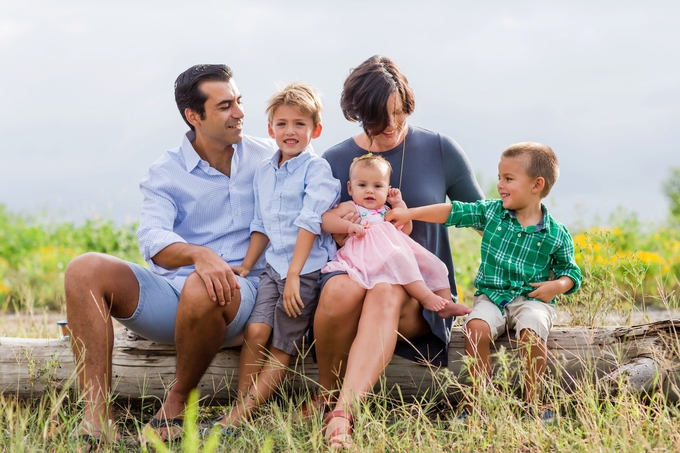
(643, 358)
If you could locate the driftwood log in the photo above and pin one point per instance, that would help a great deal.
(643, 358)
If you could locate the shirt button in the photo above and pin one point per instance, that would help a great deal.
(235, 212)
(538, 244)
(499, 228)
(510, 260)
(519, 235)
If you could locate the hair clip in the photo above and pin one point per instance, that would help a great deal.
(365, 156)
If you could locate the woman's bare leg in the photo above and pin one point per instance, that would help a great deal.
(388, 313)
(335, 326)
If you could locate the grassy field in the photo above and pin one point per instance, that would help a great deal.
(628, 267)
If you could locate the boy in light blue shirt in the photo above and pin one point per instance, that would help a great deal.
(292, 191)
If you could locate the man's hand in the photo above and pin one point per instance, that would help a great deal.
(394, 196)
(292, 302)
(547, 291)
(218, 277)
(357, 230)
(398, 216)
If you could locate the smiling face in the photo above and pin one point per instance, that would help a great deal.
(292, 131)
(516, 188)
(396, 128)
(368, 184)
(222, 122)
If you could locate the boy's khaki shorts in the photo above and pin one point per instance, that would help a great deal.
(520, 314)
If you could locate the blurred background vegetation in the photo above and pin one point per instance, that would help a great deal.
(627, 264)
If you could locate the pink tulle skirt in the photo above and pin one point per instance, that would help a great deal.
(386, 255)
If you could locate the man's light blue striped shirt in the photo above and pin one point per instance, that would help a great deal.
(186, 200)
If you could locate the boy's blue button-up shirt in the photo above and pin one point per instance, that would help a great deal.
(291, 197)
(186, 200)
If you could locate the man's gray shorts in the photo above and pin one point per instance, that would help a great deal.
(154, 318)
(287, 332)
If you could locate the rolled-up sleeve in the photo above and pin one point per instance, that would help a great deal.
(322, 192)
(257, 224)
(156, 223)
(466, 215)
(564, 261)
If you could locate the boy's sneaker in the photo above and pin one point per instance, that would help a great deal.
(547, 416)
(463, 416)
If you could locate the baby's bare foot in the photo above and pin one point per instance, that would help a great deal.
(452, 309)
(434, 302)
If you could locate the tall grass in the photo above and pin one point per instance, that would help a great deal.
(589, 420)
(626, 267)
(634, 263)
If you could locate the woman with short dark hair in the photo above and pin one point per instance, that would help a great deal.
(357, 330)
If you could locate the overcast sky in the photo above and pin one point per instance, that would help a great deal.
(87, 89)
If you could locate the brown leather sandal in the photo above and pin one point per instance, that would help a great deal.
(346, 431)
(316, 406)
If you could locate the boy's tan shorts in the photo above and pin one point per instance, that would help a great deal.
(520, 314)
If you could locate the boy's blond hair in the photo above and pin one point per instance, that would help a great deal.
(299, 95)
(370, 160)
(541, 161)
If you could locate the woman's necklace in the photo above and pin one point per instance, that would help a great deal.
(403, 152)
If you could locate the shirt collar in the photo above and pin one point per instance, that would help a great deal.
(191, 157)
(294, 163)
(545, 223)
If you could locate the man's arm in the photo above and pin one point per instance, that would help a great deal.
(292, 302)
(219, 279)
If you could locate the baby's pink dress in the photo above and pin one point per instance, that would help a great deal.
(386, 255)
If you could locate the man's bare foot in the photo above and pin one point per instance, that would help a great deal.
(434, 302)
(167, 423)
(452, 309)
(100, 434)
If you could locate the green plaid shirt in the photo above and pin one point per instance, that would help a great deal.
(512, 256)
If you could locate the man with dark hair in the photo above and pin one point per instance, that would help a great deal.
(195, 224)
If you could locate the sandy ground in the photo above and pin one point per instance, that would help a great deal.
(36, 325)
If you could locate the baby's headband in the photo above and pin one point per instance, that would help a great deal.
(363, 157)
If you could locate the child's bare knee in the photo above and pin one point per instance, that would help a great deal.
(530, 336)
(478, 330)
(257, 334)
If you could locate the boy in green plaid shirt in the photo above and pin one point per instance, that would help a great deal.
(527, 260)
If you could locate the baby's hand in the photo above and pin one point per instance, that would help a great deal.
(356, 230)
(394, 196)
(398, 216)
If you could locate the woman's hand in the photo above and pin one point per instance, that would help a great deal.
(398, 216)
(356, 230)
